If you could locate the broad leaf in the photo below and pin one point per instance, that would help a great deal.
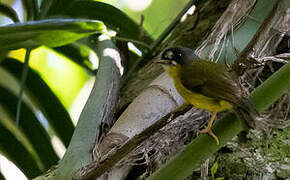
(220, 178)
(31, 127)
(31, 7)
(113, 18)
(53, 7)
(3, 54)
(214, 169)
(9, 12)
(1, 176)
(15, 150)
(54, 111)
(50, 32)
(78, 53)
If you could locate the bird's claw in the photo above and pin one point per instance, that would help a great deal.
(209, 132)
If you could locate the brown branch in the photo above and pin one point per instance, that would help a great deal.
(243, 61)
(96, 169)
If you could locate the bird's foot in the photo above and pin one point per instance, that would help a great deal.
(208, 130)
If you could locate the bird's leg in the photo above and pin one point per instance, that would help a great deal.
(208, 130)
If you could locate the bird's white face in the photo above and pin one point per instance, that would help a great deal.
(171, 55)
(167, 59)
(175, 57)
(168, 55)
(179, 56)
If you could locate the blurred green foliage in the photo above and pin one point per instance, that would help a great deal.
(66, 81)
(157, 16)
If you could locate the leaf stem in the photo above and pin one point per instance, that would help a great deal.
(22, 84)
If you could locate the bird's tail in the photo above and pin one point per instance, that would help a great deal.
(247, 113)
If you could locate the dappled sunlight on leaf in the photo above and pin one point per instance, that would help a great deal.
(64, 77)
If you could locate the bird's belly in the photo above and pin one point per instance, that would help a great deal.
(201, 101)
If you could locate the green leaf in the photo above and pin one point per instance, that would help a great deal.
(1, 176)
(78, 53)
(9, 12)
(44, 7)
(220, 178)
(15, 151)
(50, 32)
(3, 54)
(53, 7)
(111, 16)
(31, 7)
(32, 129)
(214, 169)
(54, 111)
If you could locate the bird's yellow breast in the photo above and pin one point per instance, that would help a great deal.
(196, 99)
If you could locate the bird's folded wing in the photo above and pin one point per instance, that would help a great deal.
(211, 80)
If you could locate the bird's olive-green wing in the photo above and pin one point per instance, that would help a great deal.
(212, 80)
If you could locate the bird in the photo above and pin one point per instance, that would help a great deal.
(206, 85)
